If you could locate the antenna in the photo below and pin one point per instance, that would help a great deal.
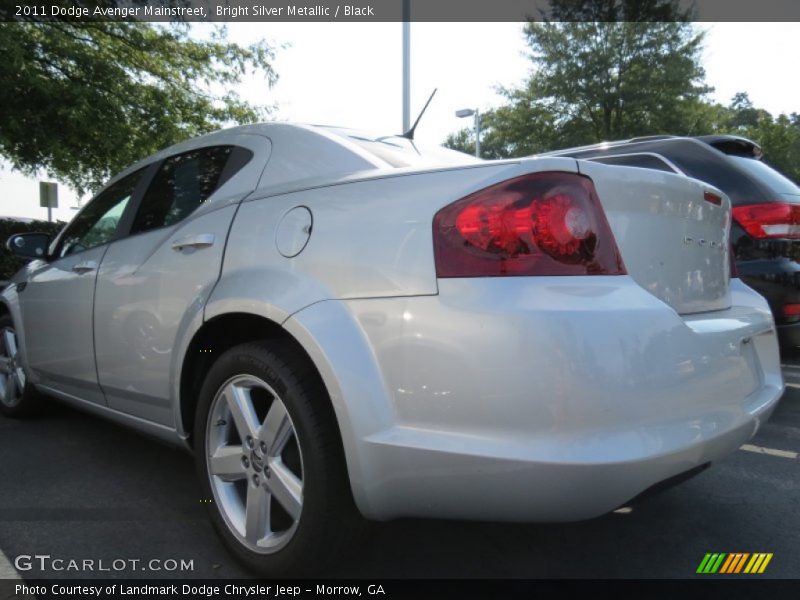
(410, 133)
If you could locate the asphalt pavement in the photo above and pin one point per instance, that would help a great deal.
(75, 487)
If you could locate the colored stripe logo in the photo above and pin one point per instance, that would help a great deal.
(734, 563)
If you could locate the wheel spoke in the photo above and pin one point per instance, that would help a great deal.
(10, 341)
(277, 428)
(10, 391)
(287, 489)
(226, 463)
(257, 517)
(241, 406)
(5, 365)
(19, 378)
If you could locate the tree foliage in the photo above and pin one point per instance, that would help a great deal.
(611, 11)
(778, 136)
(602, 70)
(616, 69)
(82, 100)
(606, 80)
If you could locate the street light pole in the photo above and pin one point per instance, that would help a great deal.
(477, 133)
(406, 65)
(476, 115)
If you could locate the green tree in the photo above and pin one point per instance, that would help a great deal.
(600, 80)
(742, 113)
(778, 136)
(82, 100)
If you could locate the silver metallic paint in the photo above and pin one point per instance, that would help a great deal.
(57, 309)
(502, 379)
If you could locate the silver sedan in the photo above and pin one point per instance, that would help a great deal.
(340, 326)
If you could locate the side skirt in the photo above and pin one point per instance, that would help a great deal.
(161, 432)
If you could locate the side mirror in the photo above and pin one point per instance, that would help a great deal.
(29, 245)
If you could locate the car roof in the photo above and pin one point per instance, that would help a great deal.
(299, 152)
(724, 142)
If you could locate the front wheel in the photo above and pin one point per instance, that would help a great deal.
(18, 398)
(271, 462)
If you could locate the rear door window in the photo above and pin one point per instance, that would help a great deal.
(183, 182)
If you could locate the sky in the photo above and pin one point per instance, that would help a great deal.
(350, 74)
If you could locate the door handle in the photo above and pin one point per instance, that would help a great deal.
(85, 266)
(200, 240)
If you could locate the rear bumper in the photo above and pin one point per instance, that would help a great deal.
(459, 479)
(541, 399)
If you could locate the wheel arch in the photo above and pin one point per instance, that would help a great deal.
(360, 391)
(212, 339)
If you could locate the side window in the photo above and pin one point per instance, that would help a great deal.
(644, 161)
(97, 223)
(182, 183)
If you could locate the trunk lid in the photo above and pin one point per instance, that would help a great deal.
(674, 241)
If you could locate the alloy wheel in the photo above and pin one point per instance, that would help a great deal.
(254, 464)
(12, 375)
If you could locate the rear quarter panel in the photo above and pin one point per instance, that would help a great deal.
(370, 238)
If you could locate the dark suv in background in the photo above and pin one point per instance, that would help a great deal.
(765, 232)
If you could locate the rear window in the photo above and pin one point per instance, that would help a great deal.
(699, 160)
(767, 175)
(401, 152)
(643, 161)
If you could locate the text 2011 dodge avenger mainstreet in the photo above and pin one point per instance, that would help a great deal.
(341, 325)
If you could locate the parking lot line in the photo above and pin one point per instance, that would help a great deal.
(7, 571)
(792, 385)
(769, 451)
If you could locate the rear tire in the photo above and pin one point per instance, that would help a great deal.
(18, 398)
(270, 459)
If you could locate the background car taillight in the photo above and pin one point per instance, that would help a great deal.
(539, 224)
(769, 220)
(791, 310)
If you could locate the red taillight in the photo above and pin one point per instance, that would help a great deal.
(769, 220)
(791, 310)
(539, 224)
